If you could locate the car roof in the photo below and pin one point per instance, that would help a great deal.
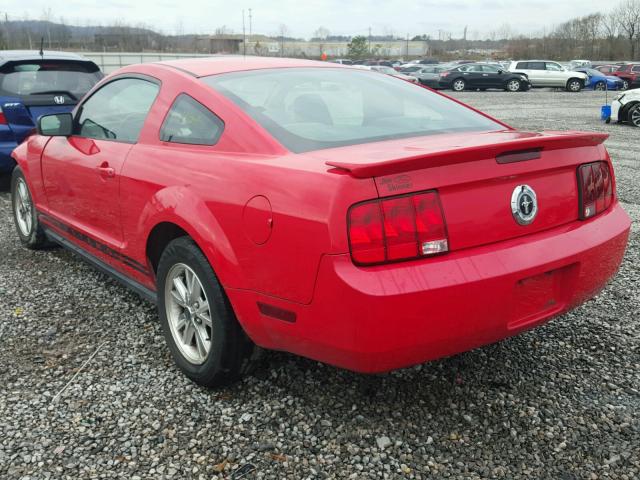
(202, 67)
(13, 55)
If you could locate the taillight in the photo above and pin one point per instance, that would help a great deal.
(3, 119)
(595, 187)
(397, 228)
(444, 74)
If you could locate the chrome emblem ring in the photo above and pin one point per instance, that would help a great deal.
(524, 204)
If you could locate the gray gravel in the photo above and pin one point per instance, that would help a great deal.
(559, 402)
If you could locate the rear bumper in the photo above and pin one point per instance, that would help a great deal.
(382, 318)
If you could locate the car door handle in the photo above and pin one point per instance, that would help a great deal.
(485, 74)
(106, 171)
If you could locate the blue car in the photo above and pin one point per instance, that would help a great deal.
(34, 84)
(600, 81)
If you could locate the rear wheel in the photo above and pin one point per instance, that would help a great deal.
(625, 84)
(24, 213)
(200, 328)
(634, 115)
(600, 86)
(458, 85)
(514, 85)
(574, 85)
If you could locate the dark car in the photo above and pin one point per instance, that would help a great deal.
(34, 84)
(482, 77)
(630, 75)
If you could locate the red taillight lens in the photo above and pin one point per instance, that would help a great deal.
(444, 74)
(595, 187)
(397, 228)
(3, 119)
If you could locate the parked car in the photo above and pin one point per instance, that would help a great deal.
(575, 64)
(543, 73)
(625, 108)
(599, 81)
(318, 209)
(342, 61)
(393, 72)
(607, 69)
(428, 75)
(630, 75)
(482, 76)
(32, 85)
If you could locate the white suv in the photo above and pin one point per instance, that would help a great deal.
(626, 108)
(543, 73)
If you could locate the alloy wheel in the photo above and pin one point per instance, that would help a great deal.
(625, 85)
(513, 86)
(458, 85)
(575, 86)
(188, 313)
(634, 116)
(600, 86)
(23, 208)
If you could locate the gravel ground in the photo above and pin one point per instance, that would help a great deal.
(559, 402)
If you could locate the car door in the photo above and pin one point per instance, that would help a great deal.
(536, 73)
(81, 173)
(472, 75)
(556, 75)
(491, 78)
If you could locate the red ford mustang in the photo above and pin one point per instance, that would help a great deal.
(336, 213)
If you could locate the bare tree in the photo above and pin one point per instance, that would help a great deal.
(611, 30)
(628, 15)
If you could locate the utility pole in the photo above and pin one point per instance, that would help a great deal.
(407, 46)
(369, 40)
(244, 37)
(250, 24)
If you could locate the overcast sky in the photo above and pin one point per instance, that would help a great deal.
(303, 17)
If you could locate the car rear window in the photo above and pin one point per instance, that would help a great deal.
(33, 77)
(313, 108)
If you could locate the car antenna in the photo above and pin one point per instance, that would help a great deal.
(42, 47)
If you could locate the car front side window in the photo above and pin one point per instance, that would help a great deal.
(117, 111)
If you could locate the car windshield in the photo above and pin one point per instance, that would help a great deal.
(48, 76)
(313, 108)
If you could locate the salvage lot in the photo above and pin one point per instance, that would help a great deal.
(558, 402)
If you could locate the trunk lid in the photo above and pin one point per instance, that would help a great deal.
(23, 113)
(476, 175)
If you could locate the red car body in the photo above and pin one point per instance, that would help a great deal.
(274, 225)
(630, 73)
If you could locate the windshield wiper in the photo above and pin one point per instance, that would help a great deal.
(73, 97)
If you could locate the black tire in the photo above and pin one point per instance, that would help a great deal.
(600, 86)
(458, 85)
(574, 85)
(633, 115)
(231, 352)
(513, 85)
(31, 234)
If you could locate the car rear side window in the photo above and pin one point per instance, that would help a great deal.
(313, 108)
(523, 65)
(188, 121)
(536, 66)
(41, 77)
(117, 110)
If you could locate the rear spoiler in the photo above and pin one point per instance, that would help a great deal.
(517, 149)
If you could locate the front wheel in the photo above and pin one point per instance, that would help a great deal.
(634, 115)
(458, 85)
(199, 325)
(574, 85)
(24, 213)
(514, 85)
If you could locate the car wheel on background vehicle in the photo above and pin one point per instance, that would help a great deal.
(200, 327)
(574, 85)
(514, 85)
(24, 214)
(600, 86)
(625, 84)
(458, 85)
(634, 115)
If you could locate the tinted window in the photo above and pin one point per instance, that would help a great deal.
(523, 65)
(117, 111)
(536, 65)
(489, 69)
(42, 77)
(311, 108)
(636, 69)
(188, 121)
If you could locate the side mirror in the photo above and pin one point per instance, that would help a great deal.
(56, 125)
